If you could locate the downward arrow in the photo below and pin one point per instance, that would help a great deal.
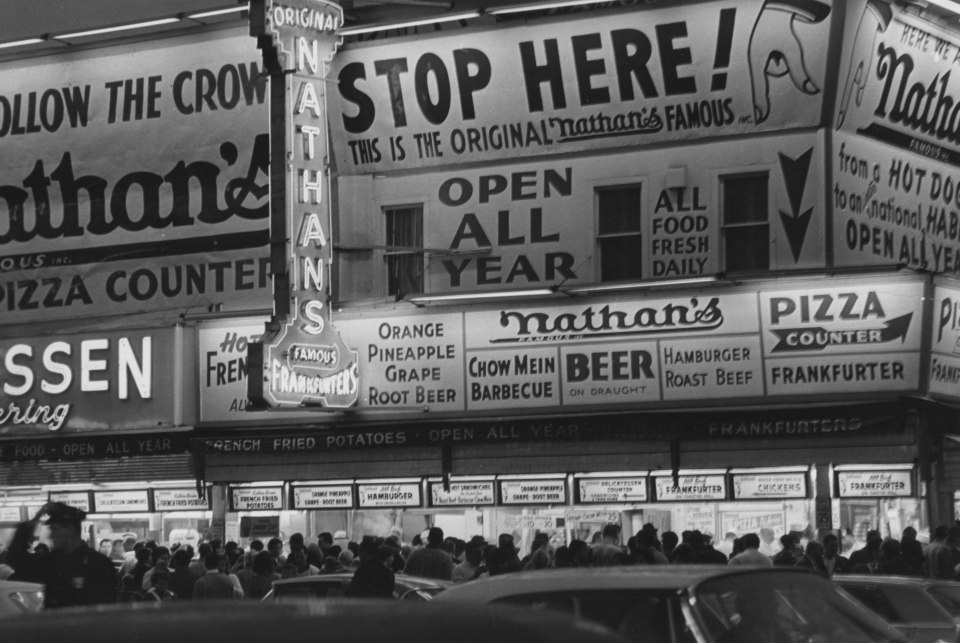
(795, 179)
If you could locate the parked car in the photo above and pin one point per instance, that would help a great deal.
(924, 609)
(18, 597)
(350, 621)
(405, 588)
(689, 603)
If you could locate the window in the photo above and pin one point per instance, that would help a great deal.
(618, 238)
(404, 254)
(746, 231)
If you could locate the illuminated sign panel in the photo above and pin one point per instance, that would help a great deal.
(301, 359)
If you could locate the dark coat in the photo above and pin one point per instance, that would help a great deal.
(372, 580)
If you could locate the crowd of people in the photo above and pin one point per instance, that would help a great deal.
(76, 574)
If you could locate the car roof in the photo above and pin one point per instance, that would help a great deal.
(582, 579)
(356, 621)
(346, 577)
(8, 585)
(879, 579)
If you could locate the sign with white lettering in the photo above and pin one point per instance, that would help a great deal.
(323, 497)
(185, 499)
(756, 486)
(644, 75)
(133, 179)
(301, 358)
(842, 338)
(945, 343)
(691, 487)
(78, 499)
(604, 490)
(393, 494)
(896, 152)
(134, 501)
(474, 493)
(533, 492)
(72, 383)
(256, 498)
(875, 484)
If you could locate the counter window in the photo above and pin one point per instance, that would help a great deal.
(404, 254)
(746, 229)
(618, 237)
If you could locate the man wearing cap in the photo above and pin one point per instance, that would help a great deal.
(72, 573)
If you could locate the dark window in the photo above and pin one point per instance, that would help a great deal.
(618, 238)
(404, 253)
(746, 229)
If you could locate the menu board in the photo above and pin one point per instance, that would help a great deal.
(472, 493)
(256, 498)
(389, 494)
(533, 492)
(185, 499)
(691, 487)
(77, 499)
(121, 501)
(323, 497)
(614, 489)
(757, 486)
(875, 484)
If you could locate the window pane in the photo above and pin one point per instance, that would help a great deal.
(745, 199)
(619, 209)
(620, 258)
(404, 229)
(748, 248)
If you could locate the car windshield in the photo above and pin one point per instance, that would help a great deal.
(746, 608)
(948, 596)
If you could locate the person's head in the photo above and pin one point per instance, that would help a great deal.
(909, 533)
(275, 547)
(105, 547)
(669, 540)
(580, 552)
(611, 533)
(325, 540)
(181, 558)
(435, 537)
(505, 543)
(474, 554)
(263, 563)
(831, 545)
(889, 549)
(296, 542)
(144, 556)
(256, 545)
(204, 550)
(65, 523)
(212, 561)
(540, 539)
(750, 541)
(814, 549)
(789, 542)
(128, 543)
(160, 578)
(161, 556)
(766, 535)
(368, 548)
(345, 558)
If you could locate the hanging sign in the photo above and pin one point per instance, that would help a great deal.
(691, 487)
(323, 497)
(601, 490)
(533, 492)
(256, 499)
(755, 486)
(78, 499)
(121, 501)
(875, 484)
(301, 359)
(471, 494)
(389, 494)
(180, 500)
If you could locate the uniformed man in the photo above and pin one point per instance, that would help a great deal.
(72, 572)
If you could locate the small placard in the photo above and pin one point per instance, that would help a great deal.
(9, 514)
(106, 502)
(323, 497)
(256, 498)
(702, 487)
(389, 494)
(875, 484)
(78, 499)
(180, 500)
(606, 490)
(757, 486)
(471, 494)
(533, 492)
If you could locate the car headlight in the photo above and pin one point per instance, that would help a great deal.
(30, 601)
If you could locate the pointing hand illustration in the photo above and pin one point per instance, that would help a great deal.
(775, 49)
(875, 19)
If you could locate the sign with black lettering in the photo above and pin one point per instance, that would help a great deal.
(133, 179)
(186, 499)
(473, 493)
(389, 494)
(133, 501)
(944, 380)
(323, 496)
(644, 75)
(78, 499)
(691, 487)
(606, 490)
(894, 483)
(256, 498)
(301, 360)
(533, 492)
(757, 486)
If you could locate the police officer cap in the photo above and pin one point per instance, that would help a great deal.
(63, 514)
